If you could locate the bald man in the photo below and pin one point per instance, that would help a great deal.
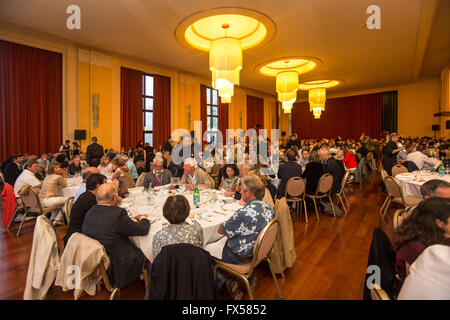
(111, 226)
(86, 173)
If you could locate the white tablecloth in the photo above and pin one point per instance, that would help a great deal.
(72, 187)
(412, 181)
(139, 205)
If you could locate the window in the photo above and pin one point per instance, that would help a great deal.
(212, 114)
(147, 103)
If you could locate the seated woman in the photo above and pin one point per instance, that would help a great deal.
(53, 183)
(349, 158)
(428, 224)
(313, 172)
(230, 182)
(105, 166)
(122, 177)
(176, 210)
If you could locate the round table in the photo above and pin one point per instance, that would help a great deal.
(411, 182)
(214, 210)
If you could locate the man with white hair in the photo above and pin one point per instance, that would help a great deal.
(157, 176)
(194, 175)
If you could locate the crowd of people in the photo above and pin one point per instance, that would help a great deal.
(108, 175)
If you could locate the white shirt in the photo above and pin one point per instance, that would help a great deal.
(429, 277)
(194, 180)
(420, 159)
(26, 177)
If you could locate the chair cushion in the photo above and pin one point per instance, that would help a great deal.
(412, 201)
(240, 268)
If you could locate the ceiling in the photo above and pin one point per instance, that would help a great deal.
(332, 31)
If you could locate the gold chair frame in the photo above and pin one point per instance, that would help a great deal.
(245, 276)
(302, 197)
(68, 208)
(341, 193)
(325, 195)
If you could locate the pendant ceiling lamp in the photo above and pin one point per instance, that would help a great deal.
(286, 71)
(225, 33)
(317, 94)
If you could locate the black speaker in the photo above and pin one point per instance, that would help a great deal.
(80, 134)
(447, 124)
(435, 127)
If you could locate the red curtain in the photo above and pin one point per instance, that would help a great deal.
(161, 110)
(131, 109)
(255, 112)
(30, 100)
(277, 115)
(347, 117)
(223, 117)
(203, 109)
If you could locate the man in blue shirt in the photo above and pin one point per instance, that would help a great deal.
(86, 173)
(242, 230)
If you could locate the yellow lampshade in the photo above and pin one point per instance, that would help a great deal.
(313, 107)
(287, 81)
(226, 91)
(287, 105)
(225, 99)
(287, 96)
(317, 96)
(317, 112)
(225, 59)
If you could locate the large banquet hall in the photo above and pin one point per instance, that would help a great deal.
(240, 150)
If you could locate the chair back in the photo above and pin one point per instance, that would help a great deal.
(325, 184)
(268, 198)
(68, 208)
(264, 242)
(215, 169)
(2, 177)
(395, 218)
(295, 187)
(30, 197)
(397, 169)
(140, 180)
(393, 188)
(384, 173)
(378, 294)
(344, 181)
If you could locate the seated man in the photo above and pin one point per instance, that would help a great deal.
(85, 175)
(194, 175)
(13, 169)
(304, 157)
(111, 226)
(27, 177)
(75, 167)
(288, 170)
(242, 230)
(53, 183)
(420, 158)
(84, 202)
(158, 176)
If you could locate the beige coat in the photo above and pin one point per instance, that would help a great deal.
(268, 198)
(283, 253)
(86, 253)
(44, 260)
(201, 177)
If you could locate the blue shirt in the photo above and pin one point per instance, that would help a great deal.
(244, 226)
(133, 170)
(81, 190)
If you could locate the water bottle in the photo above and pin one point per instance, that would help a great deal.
(441, 169)
(196, 199)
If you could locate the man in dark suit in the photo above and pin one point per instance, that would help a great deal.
(13, 169)
(83, 204)
(362, 150)
(94, 153)
(168, 145)
(288, 170)
(294, 141)
(157, 176)
(111, 226)
(333, 167)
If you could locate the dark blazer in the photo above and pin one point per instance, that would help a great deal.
(150, 178)
(94, 153)
(287, 171)
(84, 202)
(111, 226)
(312, 174)
(182, 272)
(12, 172)
(389, 158)
(74, 169)
(336, 169)
(167, 146)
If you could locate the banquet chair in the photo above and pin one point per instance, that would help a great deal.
(378, 294)
(323, 190)
(140, 180)
(371, 161)
(261, 251)
(341, 193)
(2, 177)
(295, 193)
(395, 194)
(215, 174)
(397, 169)
(115, 291)
(397, 214)
(68, 208)
(32, 203)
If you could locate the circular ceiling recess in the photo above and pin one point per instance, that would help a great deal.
(250, 27)
(298, 64)
(320, 84)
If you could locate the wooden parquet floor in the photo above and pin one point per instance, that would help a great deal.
(331, 255)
